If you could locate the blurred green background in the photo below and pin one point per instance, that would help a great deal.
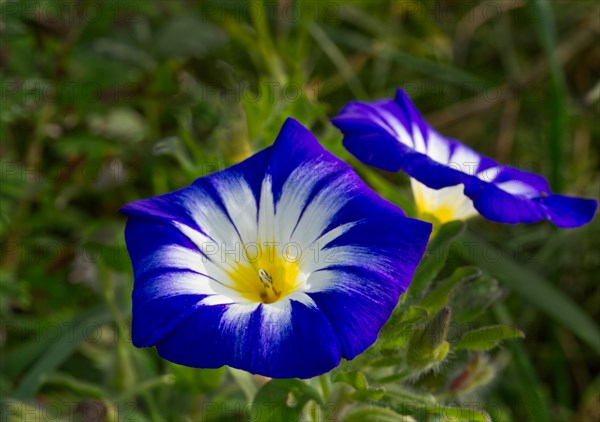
(105, 102)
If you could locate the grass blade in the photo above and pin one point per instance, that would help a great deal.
(58, 352)
(557, 110)
(537, 406)
(338, 59)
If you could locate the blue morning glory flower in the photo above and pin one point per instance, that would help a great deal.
(280, 265)
(450, 180)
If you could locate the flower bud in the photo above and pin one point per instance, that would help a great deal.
(428, 345)
(478, 372)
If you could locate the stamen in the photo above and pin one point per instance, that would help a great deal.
(267, 282)
(265, 278)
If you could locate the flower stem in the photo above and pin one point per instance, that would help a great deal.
(324, 381)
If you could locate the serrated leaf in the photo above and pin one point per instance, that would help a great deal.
(486, 338)
(369, 394)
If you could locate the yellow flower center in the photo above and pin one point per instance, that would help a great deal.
(268, 277)
(442, 205)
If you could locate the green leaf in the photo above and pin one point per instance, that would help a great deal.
(369, 394)
(486, 338)
(354, 378)
(532, 287)
(434, 260)
(22, 355)
(472, 298)
(414, 314)
(358, 380)
(398, 395)
(245, 381)
(376, 414)
(196, 380)
(440, 295)
(396, 332)
(271, 403)
(113, 255)
(446, 234)
(460, 414)
(423, 406)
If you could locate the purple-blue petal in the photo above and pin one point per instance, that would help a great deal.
(308, 345)
(358, 317)
(567, 211)
(375, 133)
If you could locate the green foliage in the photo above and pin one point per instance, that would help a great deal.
(535, 289)
(272, 401)
(358, 381)
(376, 414)
(196, 380)
(414, 346)
(440, 296)
(487, 337)
(437, 252)
(59, 351)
